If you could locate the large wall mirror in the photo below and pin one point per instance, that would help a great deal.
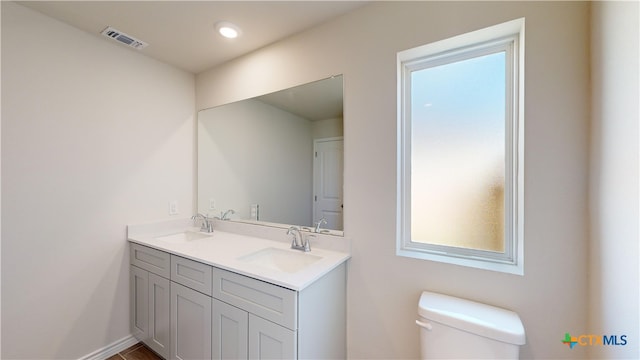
(275, 159)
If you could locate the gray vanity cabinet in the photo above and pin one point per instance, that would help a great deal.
(268, 313)
(184, 309)
(150, 297)
(288, 324)
(238, 334)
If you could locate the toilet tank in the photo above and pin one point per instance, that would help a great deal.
(454, 328)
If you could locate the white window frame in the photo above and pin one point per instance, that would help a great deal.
(508, 37)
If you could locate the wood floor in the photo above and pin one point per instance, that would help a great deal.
(136, 352)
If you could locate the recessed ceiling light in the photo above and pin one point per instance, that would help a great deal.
(228, 30)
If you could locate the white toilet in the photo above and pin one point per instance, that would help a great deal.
(454, 328)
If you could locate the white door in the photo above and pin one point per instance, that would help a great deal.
(230, 332)
(327, 181)
(190, 324)
(269, 340)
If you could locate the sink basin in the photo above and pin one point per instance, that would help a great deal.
(183, 236)
(280, 259)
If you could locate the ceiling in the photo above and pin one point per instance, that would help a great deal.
(314, 101)
(182, 33)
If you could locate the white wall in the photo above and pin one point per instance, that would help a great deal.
(551, 297)
(615, 217)
(95, 136)
(327, 128)
(254, 153)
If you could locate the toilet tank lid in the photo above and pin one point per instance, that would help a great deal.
(477, 318)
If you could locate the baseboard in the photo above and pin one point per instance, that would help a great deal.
(111, 349)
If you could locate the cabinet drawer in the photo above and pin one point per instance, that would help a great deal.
(192, 274)
(152, 260)
(266, 300)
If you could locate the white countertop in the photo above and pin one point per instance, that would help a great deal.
(222, 249)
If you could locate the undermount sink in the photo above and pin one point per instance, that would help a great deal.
(183, 236)
(280, 259)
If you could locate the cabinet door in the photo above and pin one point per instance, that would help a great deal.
(190, 324)
(230, 331)
(139, 303)
(268, 340)
(159, 310)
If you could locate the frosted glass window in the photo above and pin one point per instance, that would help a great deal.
(457, 153)
(461, 150)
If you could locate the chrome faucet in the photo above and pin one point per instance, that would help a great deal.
(303, 244)
(319, 224)
(207, 224)
(226, 215)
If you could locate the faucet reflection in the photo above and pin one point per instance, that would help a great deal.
(227, 214)
(319, 224)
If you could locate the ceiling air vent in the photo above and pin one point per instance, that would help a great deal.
(124, 38)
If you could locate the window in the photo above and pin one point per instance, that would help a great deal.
(461, 149)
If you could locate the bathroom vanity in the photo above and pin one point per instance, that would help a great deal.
(232, 296)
